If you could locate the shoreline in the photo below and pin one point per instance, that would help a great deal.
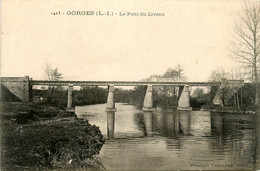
(229, 111)
(37, 136)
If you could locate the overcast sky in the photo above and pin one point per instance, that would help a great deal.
(195, 34)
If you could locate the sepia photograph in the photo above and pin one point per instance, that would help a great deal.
(130, 85)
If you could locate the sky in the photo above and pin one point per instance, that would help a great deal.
(194, 34)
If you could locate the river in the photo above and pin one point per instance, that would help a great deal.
(167, 139)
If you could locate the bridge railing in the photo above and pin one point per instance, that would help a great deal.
(120, 83)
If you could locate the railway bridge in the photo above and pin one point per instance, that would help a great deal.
(21, 88)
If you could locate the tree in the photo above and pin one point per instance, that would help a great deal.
(180, 75)
(171, 73)
(219, 74)
(238, 73)
(246, 42)
(198, 93)
(176, 74)
(52, 75)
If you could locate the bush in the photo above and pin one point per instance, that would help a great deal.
(60, 144)
(84, 96)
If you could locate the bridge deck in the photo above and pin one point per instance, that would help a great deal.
(120, 83)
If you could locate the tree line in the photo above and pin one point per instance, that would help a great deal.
(163, 96)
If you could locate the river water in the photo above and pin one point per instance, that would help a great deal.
(167, 139)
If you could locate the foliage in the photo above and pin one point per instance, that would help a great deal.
(176, 74)
(246, 96)
(218, 75)
(84, 96)
(52, 74)
(162, 100)
(59, 145)
(122, 95)
(136, 96)
(246, 44)
(163, 96)
(235, 73)
(198, 93)
(62, 143)
(90, 95)
(59, 98)
(199, 98)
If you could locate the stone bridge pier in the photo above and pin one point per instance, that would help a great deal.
(226, 91)
(218, 98)
(148, 99)
(111, 99)
(20, 89)
(70, 103)
(184, 100)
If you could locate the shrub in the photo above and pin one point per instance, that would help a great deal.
(60, 144)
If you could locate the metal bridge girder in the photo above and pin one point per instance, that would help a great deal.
(120, 83)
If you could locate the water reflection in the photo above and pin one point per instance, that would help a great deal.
(148, 122)
(216, 121)
(234, 135)
(167, 124)
(171, 126)
(194, 140)
(110, 124)
(159, 123)
(185, 122)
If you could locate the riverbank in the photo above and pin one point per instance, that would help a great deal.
(37, 137)
(229, 109)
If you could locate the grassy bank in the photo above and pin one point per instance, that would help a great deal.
(229, 109)
(35, 137)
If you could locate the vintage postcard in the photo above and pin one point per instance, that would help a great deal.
(130, 85)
